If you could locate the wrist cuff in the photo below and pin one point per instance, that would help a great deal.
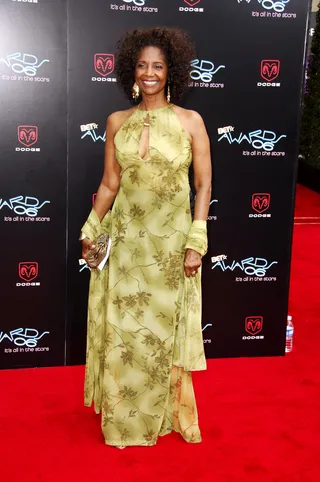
(92, 228)
(200, 224)
(197, 237)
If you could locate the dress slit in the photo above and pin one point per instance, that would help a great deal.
(144, 142)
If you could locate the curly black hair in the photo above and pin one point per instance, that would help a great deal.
(177, 47)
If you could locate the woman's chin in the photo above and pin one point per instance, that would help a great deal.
(150, 91)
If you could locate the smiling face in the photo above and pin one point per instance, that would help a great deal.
(151, 71)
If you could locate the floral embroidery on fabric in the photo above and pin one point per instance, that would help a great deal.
(144, 317)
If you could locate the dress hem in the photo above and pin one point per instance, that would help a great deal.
(143, 443)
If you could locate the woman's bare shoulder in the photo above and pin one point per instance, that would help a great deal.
(188, 114)
(116, 119)
(190, 119)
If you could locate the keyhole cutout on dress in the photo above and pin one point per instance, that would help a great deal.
(144, 139)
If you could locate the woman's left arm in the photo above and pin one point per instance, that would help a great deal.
(202, 182)
(201, 166)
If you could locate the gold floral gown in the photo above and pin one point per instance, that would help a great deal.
(144, 315)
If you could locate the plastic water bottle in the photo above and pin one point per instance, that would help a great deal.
(289, 334)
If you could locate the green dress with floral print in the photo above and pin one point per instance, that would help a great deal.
(144, 315)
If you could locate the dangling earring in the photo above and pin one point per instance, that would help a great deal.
(135, 91)
(168, 94)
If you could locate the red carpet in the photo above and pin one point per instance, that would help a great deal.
(260, 417)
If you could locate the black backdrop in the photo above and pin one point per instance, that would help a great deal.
(246, 83)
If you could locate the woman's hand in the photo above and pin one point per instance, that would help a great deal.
(86, 245)
(192, 262)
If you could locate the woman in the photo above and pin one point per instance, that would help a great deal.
(144, 321)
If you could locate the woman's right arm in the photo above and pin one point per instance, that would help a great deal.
(110, 182)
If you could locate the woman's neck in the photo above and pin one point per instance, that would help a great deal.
(153, 102)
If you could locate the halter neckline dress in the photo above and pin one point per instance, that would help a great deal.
(144, 315)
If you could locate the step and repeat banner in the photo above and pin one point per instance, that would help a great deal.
(246, 82)
(33, 97)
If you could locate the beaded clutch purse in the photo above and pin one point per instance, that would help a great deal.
(98, 256)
